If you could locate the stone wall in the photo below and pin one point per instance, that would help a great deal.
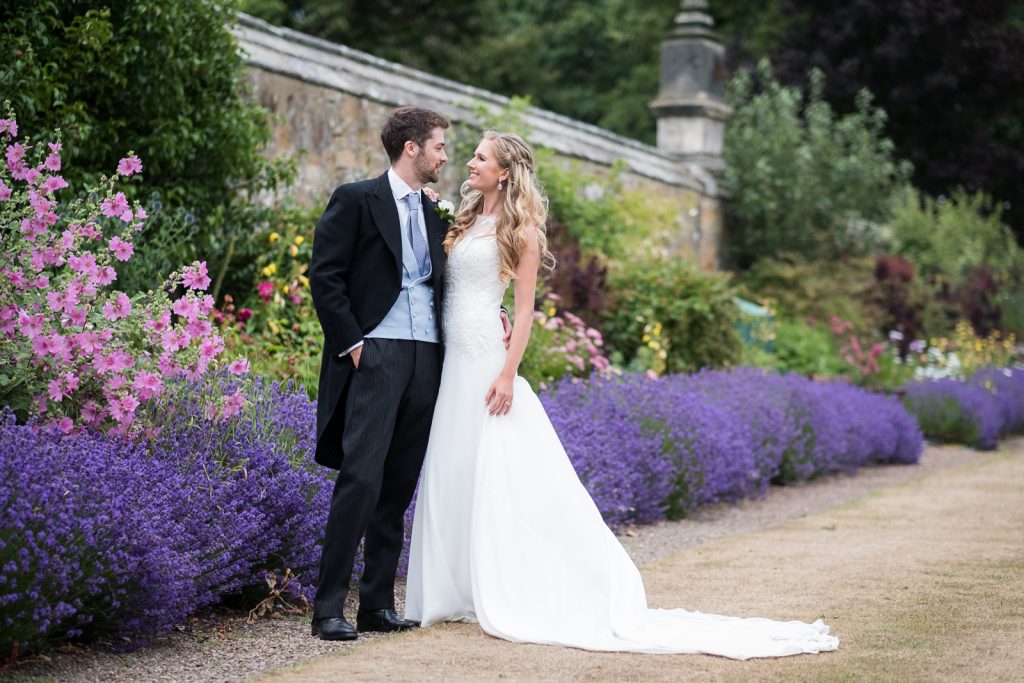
(329, 102)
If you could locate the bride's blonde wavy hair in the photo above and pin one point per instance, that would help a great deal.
(523, 205)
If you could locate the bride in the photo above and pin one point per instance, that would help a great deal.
(504, 532)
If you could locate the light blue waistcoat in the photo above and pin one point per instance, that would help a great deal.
(412, 316)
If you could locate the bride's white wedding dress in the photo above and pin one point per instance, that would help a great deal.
(505, 534)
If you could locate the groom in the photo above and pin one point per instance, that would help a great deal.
(376, 277)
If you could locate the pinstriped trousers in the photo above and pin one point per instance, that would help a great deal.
(388, 410)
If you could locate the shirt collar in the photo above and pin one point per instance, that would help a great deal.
(398, 186)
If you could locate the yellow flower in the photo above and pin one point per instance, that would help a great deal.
(551, 312)
(284, 288)
(654, 345)
(657, 329)
(269, 269)
(299, 239)
(645, 339)
(273, 237)
(304, 281)
(293, 250)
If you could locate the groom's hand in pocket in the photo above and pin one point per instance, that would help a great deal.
(356, 354)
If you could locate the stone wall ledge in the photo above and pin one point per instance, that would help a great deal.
(320, 62)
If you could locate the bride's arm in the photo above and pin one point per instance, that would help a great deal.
(499, 396)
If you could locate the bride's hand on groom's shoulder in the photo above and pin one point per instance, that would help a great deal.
(507, 327)
(431, 194)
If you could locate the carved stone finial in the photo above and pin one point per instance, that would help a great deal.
(693, 20)
(690, 106)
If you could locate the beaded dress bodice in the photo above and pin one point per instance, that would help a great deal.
(473, 293)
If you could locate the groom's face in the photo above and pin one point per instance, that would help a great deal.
(431, 158)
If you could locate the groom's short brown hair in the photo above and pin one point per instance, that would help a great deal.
(409, 123)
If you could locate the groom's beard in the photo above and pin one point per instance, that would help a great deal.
(427, 173)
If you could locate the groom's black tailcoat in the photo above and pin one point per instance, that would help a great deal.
(355, 279)
(372, 422)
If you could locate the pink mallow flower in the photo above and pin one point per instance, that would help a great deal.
(92, 413)
(123, 409)
(77, 316)
(129, 165)
(239, 366)
(52, 184)
(56, 390)
(186, 307)
(30, 325)
(5, 192)
(210, 347)
(161, 323)
(116, 206)
(196, 276)
(88, 342)
(122, 250)
(119, 307)
(233, 405)
(9, 126)
(52, 162)
(148, 385)
(198, 328)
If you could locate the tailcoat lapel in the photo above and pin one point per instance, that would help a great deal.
(436, 228)
(385, 217)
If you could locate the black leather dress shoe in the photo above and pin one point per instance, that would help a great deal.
(384, 621)
(334, 628)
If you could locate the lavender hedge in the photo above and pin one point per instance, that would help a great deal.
(976, 412)
(100, 536)
(647, 449)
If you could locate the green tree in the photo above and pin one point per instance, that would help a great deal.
(947, 72)
(804, 179)
(163, 78)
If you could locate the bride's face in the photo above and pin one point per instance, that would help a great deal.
(484, 171)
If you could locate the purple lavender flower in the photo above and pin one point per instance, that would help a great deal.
(975, 412)
(647, 448)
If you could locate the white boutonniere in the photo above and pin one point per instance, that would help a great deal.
(446, 210)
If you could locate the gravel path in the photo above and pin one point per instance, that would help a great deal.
(221, 646)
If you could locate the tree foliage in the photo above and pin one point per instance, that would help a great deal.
(804, 179)
(161, 77)
(593, 60)
(947, 72)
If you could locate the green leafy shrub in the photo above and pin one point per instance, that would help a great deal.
(272, 317)
(806, 349)
(800, 289)
(804, 178)
(695, 310)
(966, 253)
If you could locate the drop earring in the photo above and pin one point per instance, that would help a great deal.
(500, 186)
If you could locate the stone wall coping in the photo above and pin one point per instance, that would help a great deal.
(314, 60)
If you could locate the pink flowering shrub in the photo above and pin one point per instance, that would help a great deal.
(75, 351)
(562, 345)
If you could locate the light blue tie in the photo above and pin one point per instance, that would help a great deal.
(416, 239)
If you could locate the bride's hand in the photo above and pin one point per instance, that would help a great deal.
(434, 196)
(499, 396)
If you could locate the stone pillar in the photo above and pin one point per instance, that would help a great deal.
(690, 106)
